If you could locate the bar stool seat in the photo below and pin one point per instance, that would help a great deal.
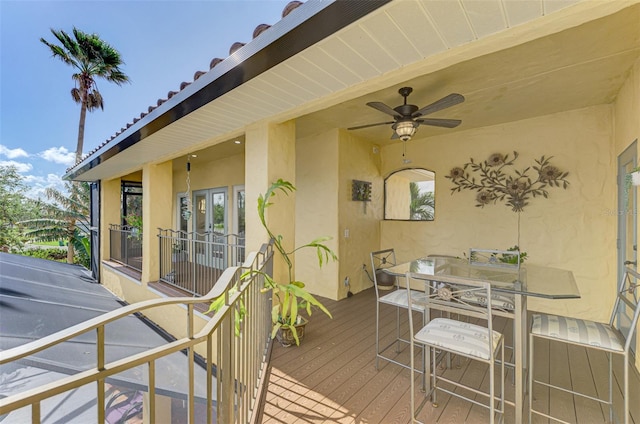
(613, 337)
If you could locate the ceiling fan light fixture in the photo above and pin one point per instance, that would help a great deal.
(405, 129)
(408, 117)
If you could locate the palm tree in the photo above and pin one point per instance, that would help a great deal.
(422, 204)
(92, 58)
(64, 218)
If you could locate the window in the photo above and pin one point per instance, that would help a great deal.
(131, 201)
(409, 195)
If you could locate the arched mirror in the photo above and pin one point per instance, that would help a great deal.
(409, 195)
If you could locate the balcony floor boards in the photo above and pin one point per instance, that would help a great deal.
(331, 377)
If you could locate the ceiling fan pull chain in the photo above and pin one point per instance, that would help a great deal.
(404, 151)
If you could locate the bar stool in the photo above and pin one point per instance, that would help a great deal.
(444, 335)
(503, 304)
(613, 337)
(389, 292)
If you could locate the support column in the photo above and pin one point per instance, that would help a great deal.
(157, 207)
(269, 155)
(110, 213)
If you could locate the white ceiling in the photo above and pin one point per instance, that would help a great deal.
(568, 55)
(575, 68)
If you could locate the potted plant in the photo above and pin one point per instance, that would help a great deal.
(512, 259)
(289, 296)
(503, 258)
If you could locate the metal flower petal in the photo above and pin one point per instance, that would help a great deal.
(496, 159)
(456, 172)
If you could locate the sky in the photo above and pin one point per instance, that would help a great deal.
(162, 43)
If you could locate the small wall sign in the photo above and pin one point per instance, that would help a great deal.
(361, 191)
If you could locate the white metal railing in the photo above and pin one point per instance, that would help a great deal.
(194, 261)
(240, 349)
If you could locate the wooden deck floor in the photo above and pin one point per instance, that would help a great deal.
(332, 378)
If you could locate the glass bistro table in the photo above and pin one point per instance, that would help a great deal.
(528, 280)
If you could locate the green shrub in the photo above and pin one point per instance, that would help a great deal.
(58, 255)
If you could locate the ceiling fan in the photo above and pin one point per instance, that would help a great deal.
(408, 117)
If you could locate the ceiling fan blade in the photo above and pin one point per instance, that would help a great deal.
(384, 108)
(371, 125)
(445, 102)
(447, 123)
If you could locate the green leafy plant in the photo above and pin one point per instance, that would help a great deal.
(512, 259)
(135, 222)
(290, 296)
(504, 258)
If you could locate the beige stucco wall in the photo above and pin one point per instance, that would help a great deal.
(359, 160)
(627, 111)
(316, 211)
(571, 229)
(324, 208)
(171, 318)
(157, 201)
(270, 151)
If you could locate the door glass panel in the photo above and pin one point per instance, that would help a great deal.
(627, 225)
(240, 213)
(200, 220)
(183, 224)
(238, 252)
(630, 223)
(219, 213)
(200, 228)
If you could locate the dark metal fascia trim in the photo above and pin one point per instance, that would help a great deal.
(315, 28)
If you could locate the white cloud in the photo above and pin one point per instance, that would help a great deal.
(33, 179)
(12, 153)
(20, 166)
(36, 192)
(37, 185)
(55, 180)
(59, 155)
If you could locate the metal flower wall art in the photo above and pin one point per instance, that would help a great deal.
(496, 180)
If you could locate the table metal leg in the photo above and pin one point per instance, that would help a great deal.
(520, 352)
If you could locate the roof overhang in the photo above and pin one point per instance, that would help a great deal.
(303, 28)
(525, 60)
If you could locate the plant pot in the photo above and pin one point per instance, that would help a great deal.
(285, 335)
(385, 280)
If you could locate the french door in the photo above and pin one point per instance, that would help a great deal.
(627, 223)
(210, 226)
(627, 212)
(207, 220)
